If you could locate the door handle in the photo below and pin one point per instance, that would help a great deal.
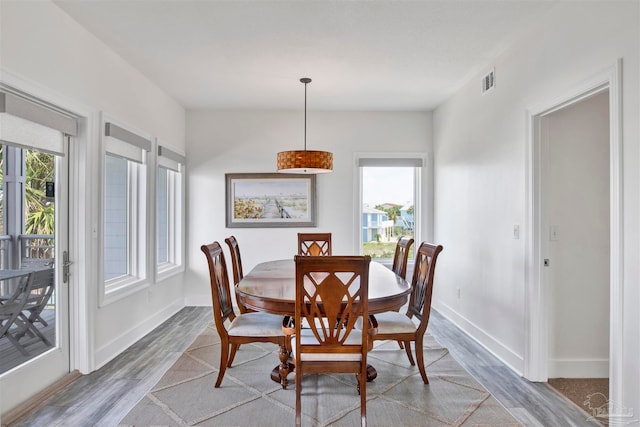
(65, 267)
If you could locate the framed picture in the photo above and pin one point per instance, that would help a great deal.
(270, 200)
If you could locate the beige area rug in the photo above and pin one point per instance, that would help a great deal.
(588, 394)
(185, 395)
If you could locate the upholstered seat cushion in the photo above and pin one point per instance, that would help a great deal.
(392, 322)
(308, 338)
(256, 325)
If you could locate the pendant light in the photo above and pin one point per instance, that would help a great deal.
(305, 161)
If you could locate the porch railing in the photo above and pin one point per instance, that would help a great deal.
(33, 248)
(38, 248)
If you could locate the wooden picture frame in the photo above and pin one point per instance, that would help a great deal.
(269, 200)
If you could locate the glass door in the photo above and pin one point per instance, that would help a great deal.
(34, 346)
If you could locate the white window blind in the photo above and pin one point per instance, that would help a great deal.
(126, 144)
(27, 124)
(390, 162)
(170, 159)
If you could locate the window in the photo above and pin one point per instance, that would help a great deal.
(116, 217)
(162, 217)
(169, 212)
(389, 203)
(124, 212)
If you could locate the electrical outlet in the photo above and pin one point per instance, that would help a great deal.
(458, 293)
(516, 232)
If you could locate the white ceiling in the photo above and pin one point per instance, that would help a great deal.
(361, 55)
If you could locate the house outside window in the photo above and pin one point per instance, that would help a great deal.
(124, 211)
(390, 188)
(169, 212)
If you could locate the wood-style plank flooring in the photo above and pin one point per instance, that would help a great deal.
(104, 397)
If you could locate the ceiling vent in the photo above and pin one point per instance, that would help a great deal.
(489, 81)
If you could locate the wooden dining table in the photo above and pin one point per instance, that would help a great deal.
(271, 287)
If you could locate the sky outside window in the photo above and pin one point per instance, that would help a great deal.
(387, 185)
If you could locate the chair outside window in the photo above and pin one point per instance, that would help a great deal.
(39, 295)
(401, 256)
(235, 329)
(236, 266)
(12, 326)
(401, 327)
(314, 244)
(331, 294)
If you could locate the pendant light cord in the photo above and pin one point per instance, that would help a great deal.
(305, 116)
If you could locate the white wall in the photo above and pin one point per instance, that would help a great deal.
(237, 142)
(480, 175)
(576, 205)
(45, 52)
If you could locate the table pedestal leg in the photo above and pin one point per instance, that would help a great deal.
(279, 373)
(371, 373)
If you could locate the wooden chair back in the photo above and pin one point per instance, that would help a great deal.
(422, 284)
(236, 260)
(401, 256)
(331, 294)
(220, 292)
(236, 267)
(314, 244)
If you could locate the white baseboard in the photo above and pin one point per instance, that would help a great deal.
(578, 368)
(495, 347)
(116, 346)
(198, 301)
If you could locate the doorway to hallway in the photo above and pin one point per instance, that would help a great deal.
(575, 243)
(599, 354)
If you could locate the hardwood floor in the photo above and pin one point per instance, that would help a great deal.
(104, 397)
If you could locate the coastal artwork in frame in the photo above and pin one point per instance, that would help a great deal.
(270, 200)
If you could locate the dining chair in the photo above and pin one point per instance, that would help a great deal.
(236, 267)
(235, 329)
(401, 256)
(314, 244)
(331, 293)
(40, 291)
(400, 327)
(11, 325)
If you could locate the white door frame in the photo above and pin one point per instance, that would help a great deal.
(80, 243)
(536, 314)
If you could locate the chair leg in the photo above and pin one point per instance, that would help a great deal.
(298, 399)
(407, 348)
(18, 345)
(401, 345)
(362, 385)
(36, 332)
(224, 353)
(41, 320)
(234, 348)
(420, 357)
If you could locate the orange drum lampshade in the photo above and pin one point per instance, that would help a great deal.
(305, 161)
